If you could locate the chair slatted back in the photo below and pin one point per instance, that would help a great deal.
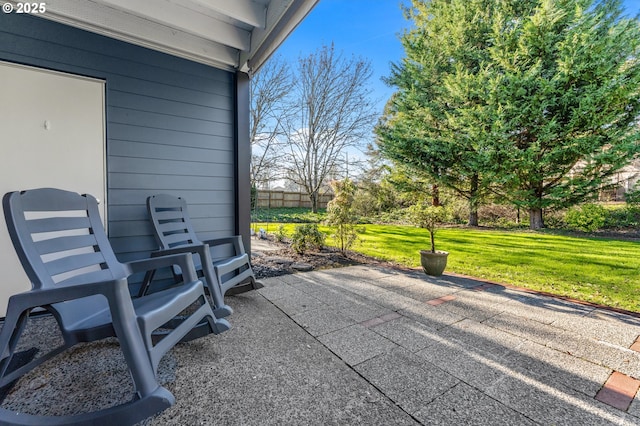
(171, 222)
(59, 237)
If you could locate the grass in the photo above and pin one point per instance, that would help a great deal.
(287, 214)
(598, 270)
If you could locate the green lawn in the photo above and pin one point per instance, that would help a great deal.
(599, 270)
(287, 214)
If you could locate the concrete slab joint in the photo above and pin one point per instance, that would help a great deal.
(362, 345)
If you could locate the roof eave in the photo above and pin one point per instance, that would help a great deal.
(214, 41)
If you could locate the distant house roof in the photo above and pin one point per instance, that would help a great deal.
(227, 34)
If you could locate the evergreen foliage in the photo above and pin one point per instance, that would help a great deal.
(534, 100)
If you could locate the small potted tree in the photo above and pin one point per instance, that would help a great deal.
(427, 216)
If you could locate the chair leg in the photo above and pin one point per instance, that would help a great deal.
(11, 331)
(256, 284)
(249, 284)
(131, 342)
(220, 326)
(220, 309)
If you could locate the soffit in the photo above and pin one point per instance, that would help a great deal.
(227, 34)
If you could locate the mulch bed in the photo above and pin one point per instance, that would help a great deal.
(284, 260)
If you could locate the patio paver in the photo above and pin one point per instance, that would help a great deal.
(356, 346)
(619, 391)
(465, 405)
(406, 379)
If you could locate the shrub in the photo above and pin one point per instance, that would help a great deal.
(588, 218)
(307, 237)
(374, 198)
(555, 219)
(429, 217)
(395, 216)
(492, 213)
(280, 235)
(627, 216)
(458, 209)
(633, 197)
(340, 213)
(287, 215)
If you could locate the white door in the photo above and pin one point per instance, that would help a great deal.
(51, 135)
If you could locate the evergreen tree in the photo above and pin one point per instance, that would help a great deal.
(536, 100)
(566, 91)
(438, 122)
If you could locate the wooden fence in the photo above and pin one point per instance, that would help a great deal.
(275, 199)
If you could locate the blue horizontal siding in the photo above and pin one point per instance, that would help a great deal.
(170, 125)
(122, 114)
(171, 167)
(131, 132)
(148, 103)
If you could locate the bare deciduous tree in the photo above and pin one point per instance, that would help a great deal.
(269, 88)
(331, 111)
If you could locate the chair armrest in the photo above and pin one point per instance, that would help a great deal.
(161, 259)
(236, 240)
(47, 296)
(188, 270)
(191, 248)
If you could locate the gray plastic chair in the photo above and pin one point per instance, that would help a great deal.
(174, 233)
(59, 238)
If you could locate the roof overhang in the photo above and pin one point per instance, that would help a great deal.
(227, 34)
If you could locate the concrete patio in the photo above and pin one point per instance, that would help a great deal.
(373, 346)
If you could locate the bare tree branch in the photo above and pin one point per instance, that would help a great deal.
(330, 111)
(269, 88)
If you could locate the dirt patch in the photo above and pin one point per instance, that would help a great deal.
(280, 259)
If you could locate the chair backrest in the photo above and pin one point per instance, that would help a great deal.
(59, 237)
(171, 223)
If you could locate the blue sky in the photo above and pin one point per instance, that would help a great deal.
(367, 28)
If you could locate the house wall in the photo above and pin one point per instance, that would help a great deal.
(170, 126)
